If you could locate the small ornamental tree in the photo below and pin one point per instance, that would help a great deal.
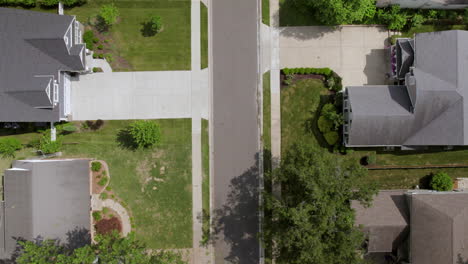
(441, 181)
(108, 16)
(155, 24)
(145, 133)
(8, 146)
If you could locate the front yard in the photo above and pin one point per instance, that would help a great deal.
(167, 50)
(153, 184)
(300, 103)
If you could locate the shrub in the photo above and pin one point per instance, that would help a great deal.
(95, 56)
(465, 16)
(97, 216)
(417, 20)
(103, 181)
(108, 188)
(88, 38)
(65, 128)
(154, 24)
(393, 16)
(328, 108)
(145, 133)
(103, 196)
(101, 56)
(97, 69)
(331, 137)
(100, 47)
(47, 146)
(71, 3)
(329, 112)
(324, 124)
(441, 181)
(105, 210)
(96, 166)
(108, 14)
(49, 3)
(8, 147)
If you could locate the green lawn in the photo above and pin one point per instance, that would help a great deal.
(206, 174)
(167, 50)
(266, 122)
(299, 104)
(428, 28)
(204, 35)
(266, 12)
(161, 208)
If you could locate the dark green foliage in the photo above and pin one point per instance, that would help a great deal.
(97, 69)
(72, 3)
(336, 12)
(88, 37)
(331, 137)
(145, 133)
(393, 17)
(97, 215)
(319, 71)
(8, 147)
(441, 182)
(103, 181)
(324, 124)
(49, 3)
(101, 56)
(155, 24)
(21, 3)
(100, 47)
(96, 166)
(47, 146)
(313, 221)
(330, 113)
(109, 248)
(65, 128)
(417, 20)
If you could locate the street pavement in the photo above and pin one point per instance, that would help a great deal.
(235, 130)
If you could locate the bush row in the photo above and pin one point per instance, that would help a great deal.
(329, 123)
(397, 18)
(44, 3)
(327, 72)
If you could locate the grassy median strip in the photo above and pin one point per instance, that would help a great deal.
(206, 179)
(204, 35)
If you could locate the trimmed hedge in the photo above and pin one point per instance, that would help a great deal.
(22, 3)
(324, 124)
(331, 137)
(88, 39)
(327, 72)
(441, 181)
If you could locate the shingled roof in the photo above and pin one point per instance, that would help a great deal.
(429, 110)
(33, 52)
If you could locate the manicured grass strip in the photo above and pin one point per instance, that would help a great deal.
(204, 35)
(266, 122)
(167, 50)
(206, 165)
(266, 12)
(155, 184)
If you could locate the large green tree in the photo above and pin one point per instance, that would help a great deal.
(336, 12)
(108, 249)
(313, 221)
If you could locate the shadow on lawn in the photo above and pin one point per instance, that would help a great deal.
(236, 222)
(125, 139)
(311, 126)
(147, 29)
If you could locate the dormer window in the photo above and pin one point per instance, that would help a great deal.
(66, 40)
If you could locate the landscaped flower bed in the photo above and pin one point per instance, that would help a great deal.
(106, 221)
(100, 176)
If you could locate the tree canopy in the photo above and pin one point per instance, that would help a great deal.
(336, 12)
(109, 249)
(313, 221)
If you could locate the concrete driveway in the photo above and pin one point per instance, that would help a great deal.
(132, 95)
(356, 53)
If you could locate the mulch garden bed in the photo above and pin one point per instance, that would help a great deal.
(107, 225)
(97, 178)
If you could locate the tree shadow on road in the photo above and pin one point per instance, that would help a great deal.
(236, 223)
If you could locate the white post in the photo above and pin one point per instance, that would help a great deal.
(60, 8)
(53, 132)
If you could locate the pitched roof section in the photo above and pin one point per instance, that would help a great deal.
(32, 45)
(439, 228)
(438, 90)
(386, 221)
(50, 199)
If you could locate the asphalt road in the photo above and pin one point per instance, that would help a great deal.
(235, 130)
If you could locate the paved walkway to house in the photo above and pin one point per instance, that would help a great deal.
(356, 53)
(135, 95)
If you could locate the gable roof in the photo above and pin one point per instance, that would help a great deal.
(386, 221)
(439, 227)
(33, 50)
(440, 112)
(47, 199)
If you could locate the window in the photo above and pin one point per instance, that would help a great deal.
(56, 95)
(77, 33)
(66, 40)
